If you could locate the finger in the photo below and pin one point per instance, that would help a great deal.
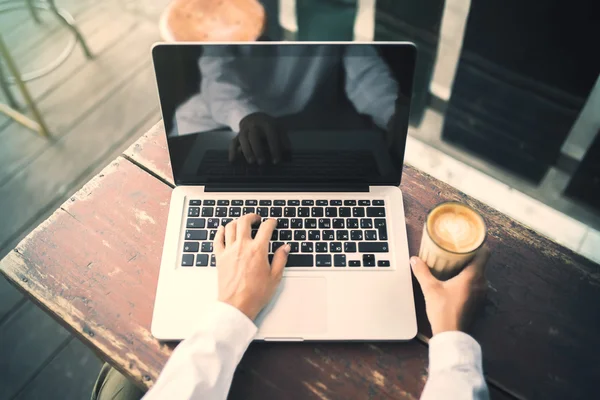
(219, 242)
(230, 233)
(246, 148)
(233, 149)
(422, 273)
(266, 230)
(476, 268)
(279, 260)
(273, 138)
(254, 136)
(244, 226)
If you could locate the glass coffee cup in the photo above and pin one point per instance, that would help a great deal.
(452, 235)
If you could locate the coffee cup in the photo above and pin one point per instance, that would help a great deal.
(452, 235)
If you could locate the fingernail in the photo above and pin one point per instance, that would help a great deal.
(251, 160)
(413, 261)
(261, 161)
(287, 248)
(276, 161)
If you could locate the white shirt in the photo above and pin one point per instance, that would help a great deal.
(202, 366)
(239, 81)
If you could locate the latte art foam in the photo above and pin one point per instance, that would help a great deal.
(455, 227)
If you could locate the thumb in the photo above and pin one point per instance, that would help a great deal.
(279, 260)
(422, 272)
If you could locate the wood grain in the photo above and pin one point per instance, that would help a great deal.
(539, 319)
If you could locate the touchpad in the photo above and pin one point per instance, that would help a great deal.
(298, 308)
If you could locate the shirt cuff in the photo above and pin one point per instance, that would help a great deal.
(451, 349)
(238, 113)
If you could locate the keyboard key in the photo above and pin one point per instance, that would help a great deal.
(196, 234)
(293, 202)
(300, 235)
(373, 247)
(316, 212)
(187, 260)
(349, 202)
(279, 203)
(235, 211)
(207, 247)
(314, 235)
(191, 247)
(274, 235)
(275, 246)
(329, 235)
(296, 223)
(251, 202)
(285, 235)
(225, 221)
(381, 228)
(304, 212)
(194, 212)
(354, 263)
(306, 247)
(300, 260)
(221, 212)
(358, 212)
(262, 211)
(364, 202)
(283, 223)
(368, 260)
(383, 263)
(195, 202)
(324, 223)
(212, 223)
(253, 233)
(321, 247)
(339, 260)
(213, 260)
(248, 210)
(209, 202)
(345, 212)
(202, 260)
(195, 223)
(322, 202)
(222, 202)
(331, 212)
(310, 223)
(237, 202)
(335, 247)
(366, 223)
(378, 203)
(208, 211)
(289, 212)
(352, 223)
(356, 235)
(349, 247)
(371, 235)
(264, 203)
(294, 247)
(212, 235)
(323, 260)
(375, 211)
(308, 202)
(338, 223)
(276, 212)
(335, 202)
(341, 235)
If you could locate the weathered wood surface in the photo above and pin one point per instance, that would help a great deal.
(540, 317)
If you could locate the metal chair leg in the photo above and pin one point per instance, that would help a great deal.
(33, 11)
(73, 29)
(14, 71)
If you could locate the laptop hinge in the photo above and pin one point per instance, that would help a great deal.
(294, 188)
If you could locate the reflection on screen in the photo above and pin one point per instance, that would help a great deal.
(285, 115)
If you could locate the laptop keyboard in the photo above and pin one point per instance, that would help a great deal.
(329, 233)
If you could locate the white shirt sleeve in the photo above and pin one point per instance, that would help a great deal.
(370, 85)
(455, 370)
(202, 366)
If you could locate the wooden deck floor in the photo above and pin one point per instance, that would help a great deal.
(94, 109)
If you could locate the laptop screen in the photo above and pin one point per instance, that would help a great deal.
(281, 116)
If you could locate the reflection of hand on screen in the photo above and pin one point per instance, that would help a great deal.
(260, 136)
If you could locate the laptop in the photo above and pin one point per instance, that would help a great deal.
(340, 116)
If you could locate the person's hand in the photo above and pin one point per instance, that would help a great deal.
(260, 134)
(451, 304)
(245, 278)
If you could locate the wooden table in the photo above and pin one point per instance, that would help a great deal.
(93, 265)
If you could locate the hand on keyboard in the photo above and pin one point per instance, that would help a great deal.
(245, 279)
(259, 132)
